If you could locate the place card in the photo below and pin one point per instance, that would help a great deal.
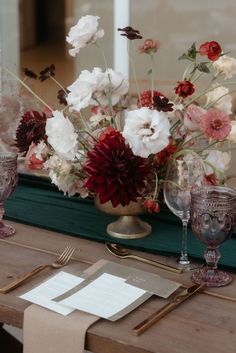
(112, 290)
(105, 296)
(53, 287)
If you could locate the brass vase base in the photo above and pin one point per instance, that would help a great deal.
(129, 227)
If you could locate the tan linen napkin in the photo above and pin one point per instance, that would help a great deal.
(48, 332)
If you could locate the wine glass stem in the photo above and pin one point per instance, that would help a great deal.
(212, 256)
(184, 254)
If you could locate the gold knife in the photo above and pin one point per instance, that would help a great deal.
(177, 300)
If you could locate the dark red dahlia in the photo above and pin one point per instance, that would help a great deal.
(146, 99)
(115, 174)
(31, 129)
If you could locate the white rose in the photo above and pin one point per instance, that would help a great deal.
(214, 99)
(232, 135)
(217, 160)
(146, 131)
(84, 33)
(226, 65)
(61, 135)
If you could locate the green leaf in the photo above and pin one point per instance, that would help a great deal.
(203, 68)
(184, 57)
(149, 72)
(192, 52)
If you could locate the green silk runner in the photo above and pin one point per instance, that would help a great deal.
(37, 202)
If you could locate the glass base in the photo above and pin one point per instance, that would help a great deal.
(211, 277)
(6, 230)
(183, 261)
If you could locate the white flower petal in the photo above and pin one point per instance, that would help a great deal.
(146, 131)
(64, 144)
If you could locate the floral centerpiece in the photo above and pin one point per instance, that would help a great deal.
(119, 151)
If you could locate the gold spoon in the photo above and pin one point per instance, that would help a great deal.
(120, 252)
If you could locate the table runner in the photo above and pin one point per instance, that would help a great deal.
(37, 202)
(48, 332)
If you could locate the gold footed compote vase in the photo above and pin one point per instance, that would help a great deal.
(213, 217)
(8, 182)
(128, 225)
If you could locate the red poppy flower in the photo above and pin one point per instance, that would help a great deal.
(184, 89)
(210, 49)
(115, 174)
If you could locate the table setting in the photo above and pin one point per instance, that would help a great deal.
(72, 274)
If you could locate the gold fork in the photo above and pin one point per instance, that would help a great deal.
(61, 261)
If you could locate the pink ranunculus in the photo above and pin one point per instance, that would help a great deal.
(193, 116)
(216, 124)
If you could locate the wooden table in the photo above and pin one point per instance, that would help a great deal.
(203, 324)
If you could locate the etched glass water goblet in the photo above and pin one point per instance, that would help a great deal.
(183, 174)
(8, 182)
(213, 217)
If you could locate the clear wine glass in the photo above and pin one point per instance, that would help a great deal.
(8, 182)
(183, 174)
(213, 217)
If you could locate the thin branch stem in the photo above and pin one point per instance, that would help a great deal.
(28, 88)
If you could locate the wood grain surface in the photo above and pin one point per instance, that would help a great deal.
(192, 327)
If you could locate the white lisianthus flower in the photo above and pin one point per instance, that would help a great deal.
(232, 135)
(216, 161)
(61, 135)
(83, 33)
(83, 88)
(113, 84)
(225, 65)
(97, 86)
(146, 131)
(214, 99)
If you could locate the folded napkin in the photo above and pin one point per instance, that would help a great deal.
(48, 332)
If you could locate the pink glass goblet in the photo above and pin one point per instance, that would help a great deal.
(8, 182)
(213, 217)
